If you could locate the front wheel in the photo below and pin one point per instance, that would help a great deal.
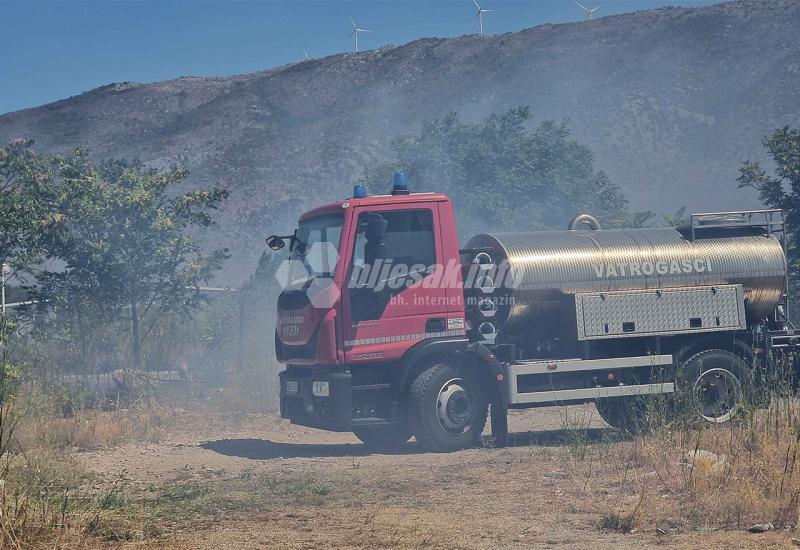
(447, 408)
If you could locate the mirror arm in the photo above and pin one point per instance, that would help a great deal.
(291, 238)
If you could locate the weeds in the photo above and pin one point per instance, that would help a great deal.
(614, 521)
(49, 502)
(46, 499)
(728, 476)
(42, 503)
(89, 429)
(575, 423)
(693, 474)
(302, 490)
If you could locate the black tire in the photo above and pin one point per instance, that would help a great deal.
(462, 402)
(626, 414)
(383, 437)
(714, 385)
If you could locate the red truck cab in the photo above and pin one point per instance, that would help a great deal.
(373, 296)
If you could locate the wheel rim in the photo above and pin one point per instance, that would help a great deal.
(455, 407)
(717, 394)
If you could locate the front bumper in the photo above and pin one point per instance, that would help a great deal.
(333, 412)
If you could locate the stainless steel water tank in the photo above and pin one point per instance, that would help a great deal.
(546, 268)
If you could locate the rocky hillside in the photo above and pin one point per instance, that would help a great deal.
(670, 100)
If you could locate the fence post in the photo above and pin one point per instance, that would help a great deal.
(240, 352)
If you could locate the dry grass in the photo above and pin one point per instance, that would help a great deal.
(697, 477)
(751, 477)
(51, 503)
(43, 504)
(47, 500)
(663, 480)
(90, 429)
(45, 422)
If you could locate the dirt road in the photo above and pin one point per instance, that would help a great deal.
(263, 483)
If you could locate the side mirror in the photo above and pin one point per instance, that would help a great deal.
(275, 242)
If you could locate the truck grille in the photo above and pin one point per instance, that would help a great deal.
(297, 352)
(292, 299)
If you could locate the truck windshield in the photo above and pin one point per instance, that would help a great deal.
(315, 249)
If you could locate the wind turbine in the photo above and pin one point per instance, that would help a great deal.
(308, 57)
(588, 11)
(356, 30)
(480, 12)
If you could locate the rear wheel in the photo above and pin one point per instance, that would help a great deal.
(715, 384)
(447, 408)
(383, 437)
(626, 414)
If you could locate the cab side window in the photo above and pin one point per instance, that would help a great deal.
(393, 249)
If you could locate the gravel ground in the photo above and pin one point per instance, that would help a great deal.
(332, 492)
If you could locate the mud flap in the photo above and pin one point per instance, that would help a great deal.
(499, 420)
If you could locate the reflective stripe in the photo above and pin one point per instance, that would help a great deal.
(417, 336)
(556, 396)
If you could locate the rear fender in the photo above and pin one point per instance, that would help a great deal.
(492, 372)
(729, 343)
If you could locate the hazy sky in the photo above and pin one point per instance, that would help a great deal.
(50, 50)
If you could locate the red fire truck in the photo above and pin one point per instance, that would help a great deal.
(398, 332)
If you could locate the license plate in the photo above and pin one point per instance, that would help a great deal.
(291, 386)
(321, 388)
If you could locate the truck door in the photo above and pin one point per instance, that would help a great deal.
(393, 297)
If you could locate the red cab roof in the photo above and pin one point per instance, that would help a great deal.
(374, 200)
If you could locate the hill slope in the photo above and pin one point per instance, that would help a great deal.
(670, 100)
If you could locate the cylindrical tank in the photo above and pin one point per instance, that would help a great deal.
(546, 268)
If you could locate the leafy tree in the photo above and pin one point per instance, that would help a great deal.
(502, 174)
(641, 219)
(22, 212)
(678, 219)
(19, 230)
(780, 189)
(123, 237)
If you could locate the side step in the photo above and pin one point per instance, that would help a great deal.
(582, 394)
(784, 340)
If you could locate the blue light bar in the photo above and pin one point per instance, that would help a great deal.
(400, 186)
(359, 191)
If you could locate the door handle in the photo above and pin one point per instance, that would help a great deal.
(435, 324)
